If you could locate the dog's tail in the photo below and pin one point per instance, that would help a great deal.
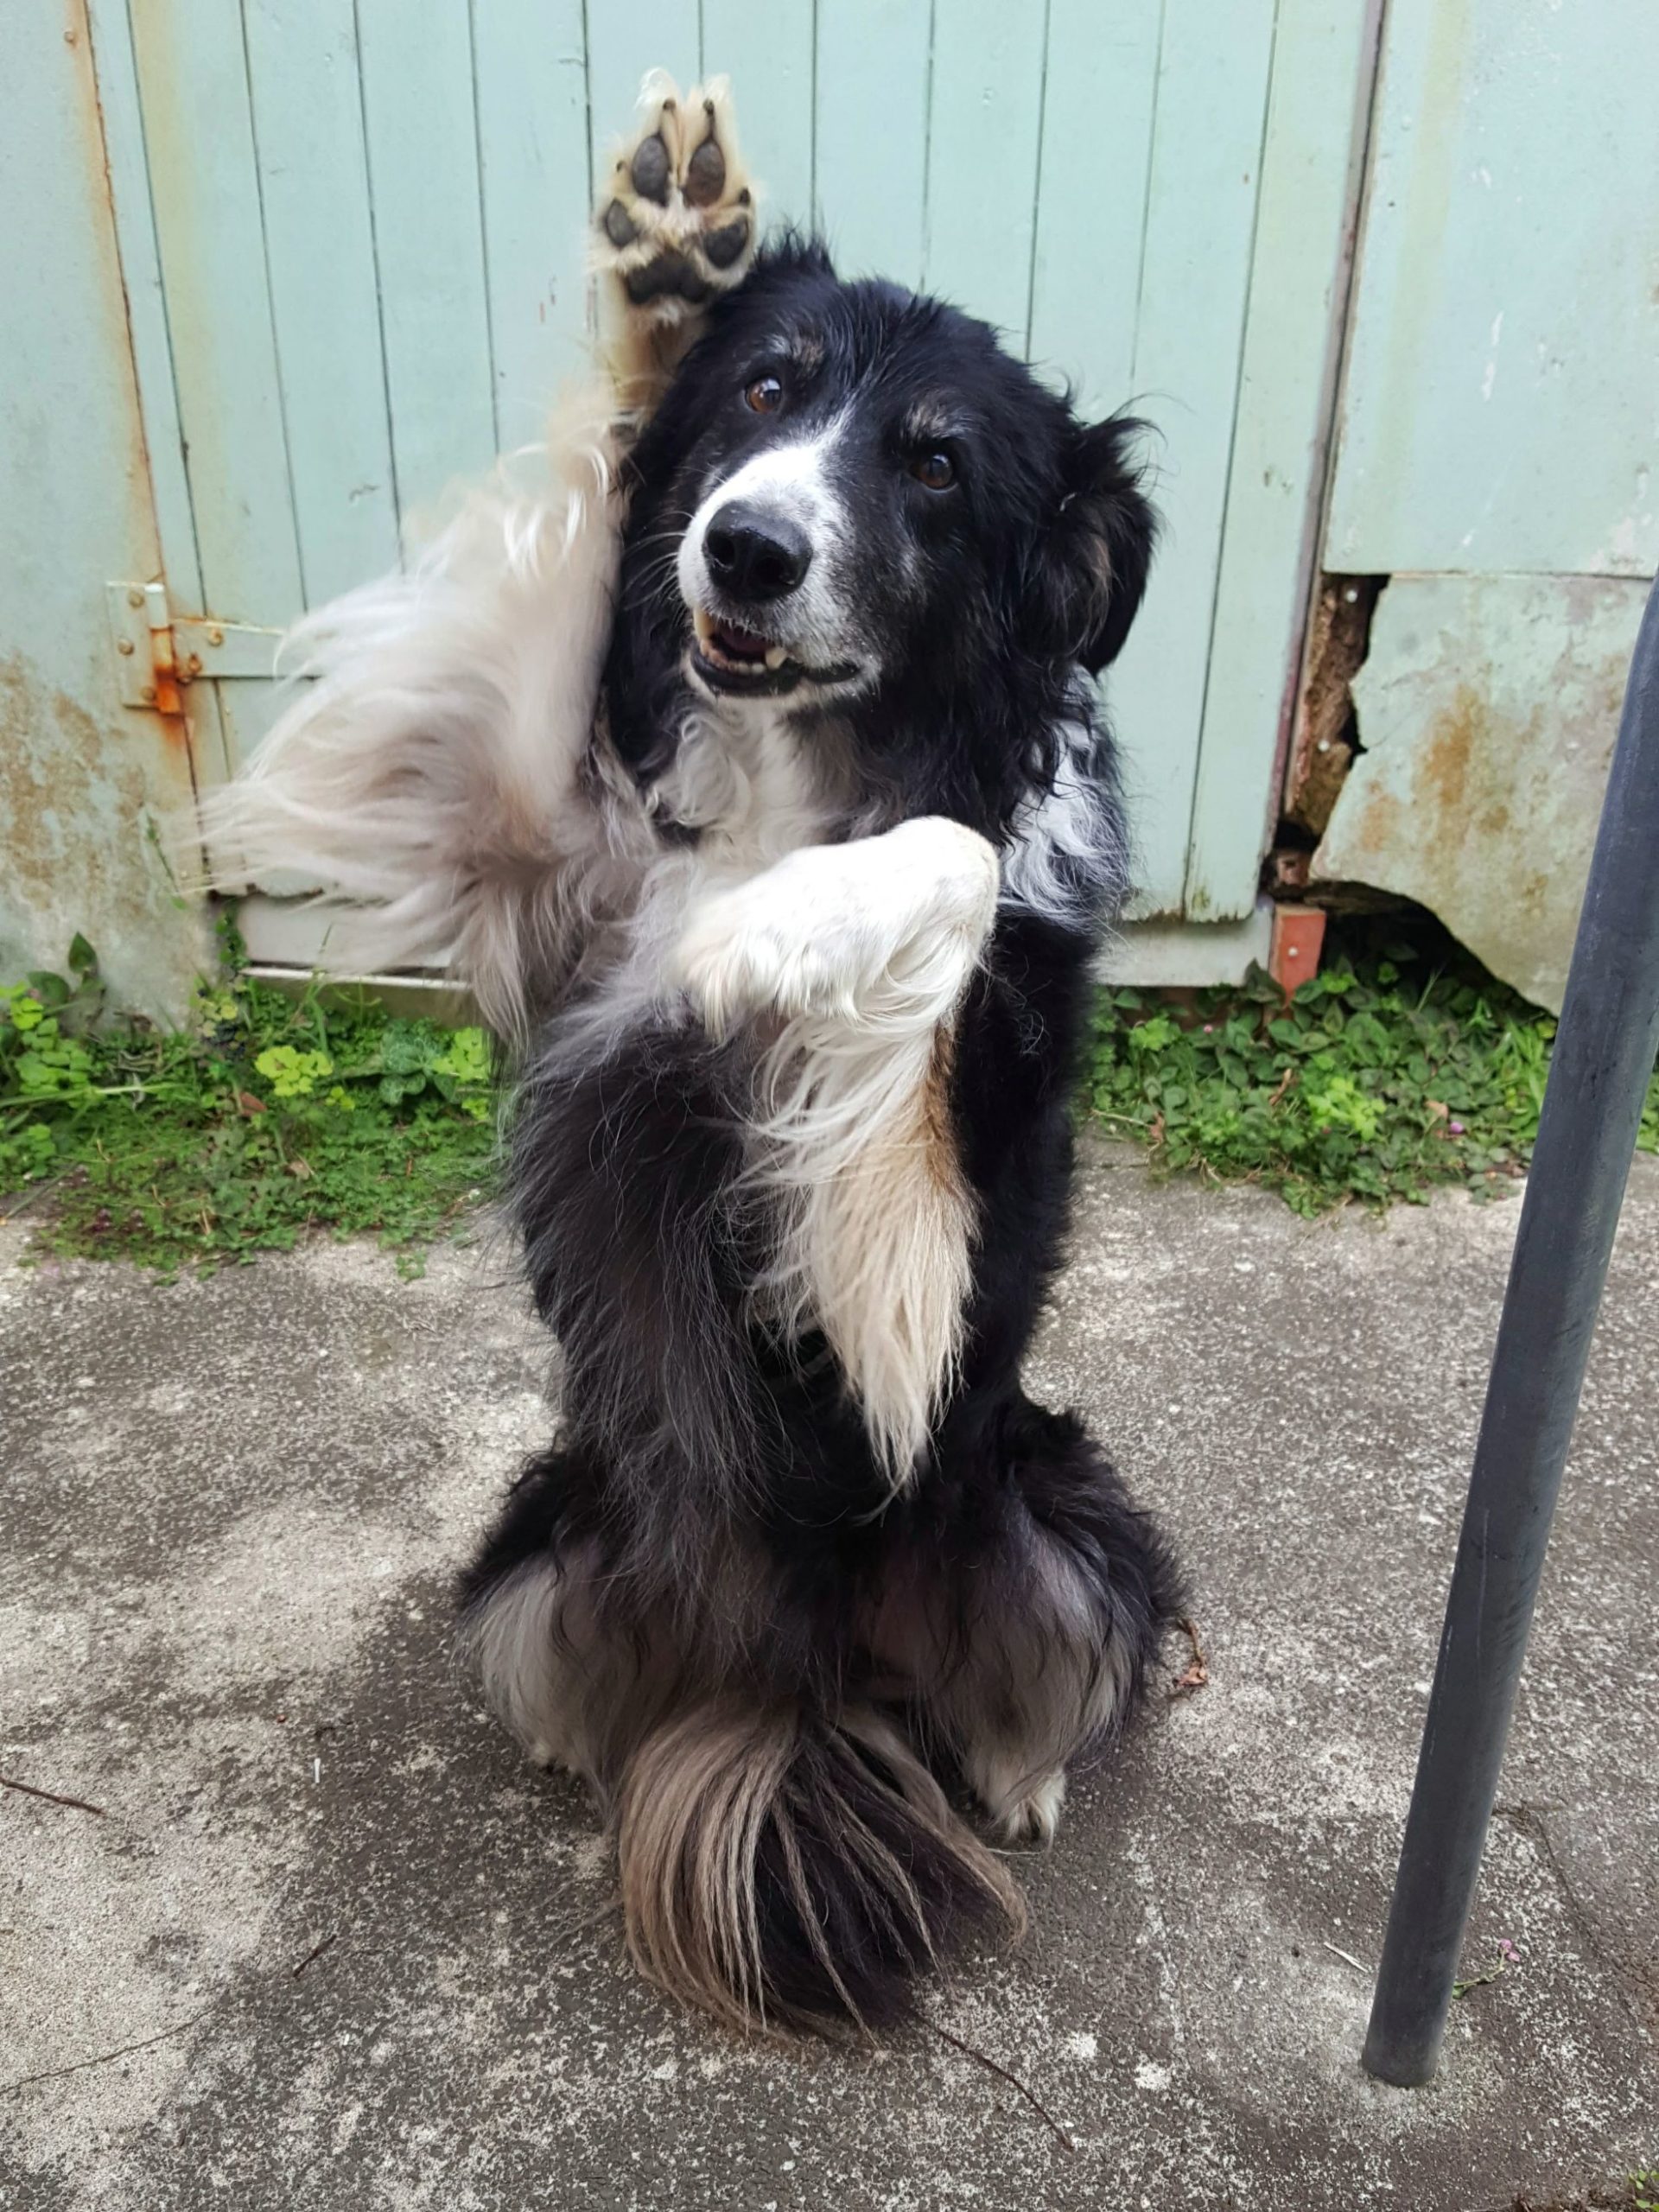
(783, 1870)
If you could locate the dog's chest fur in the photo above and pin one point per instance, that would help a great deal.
(754, 895)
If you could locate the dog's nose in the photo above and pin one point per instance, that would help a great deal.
(754, 553)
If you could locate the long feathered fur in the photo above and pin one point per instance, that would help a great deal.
(434, 770)
(792, 996)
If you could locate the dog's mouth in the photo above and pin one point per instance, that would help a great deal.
(730, 659)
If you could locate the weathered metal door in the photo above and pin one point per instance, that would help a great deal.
(353, 239)
(1498, 459)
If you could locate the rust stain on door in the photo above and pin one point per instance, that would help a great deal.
(1487, 711)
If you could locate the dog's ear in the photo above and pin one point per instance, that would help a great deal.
(1099, 547)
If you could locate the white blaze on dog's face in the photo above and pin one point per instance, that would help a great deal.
(849, 491)
(761, 569)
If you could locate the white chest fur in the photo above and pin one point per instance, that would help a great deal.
(858, 953)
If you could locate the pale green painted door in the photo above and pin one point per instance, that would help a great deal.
(353, 232)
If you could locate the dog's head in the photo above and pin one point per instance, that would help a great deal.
(850, 493)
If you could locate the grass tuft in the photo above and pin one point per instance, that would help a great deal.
(260, 1119)
(1398, 1070)
(1402, 1069)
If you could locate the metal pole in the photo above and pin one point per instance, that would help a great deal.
(1598, 1076)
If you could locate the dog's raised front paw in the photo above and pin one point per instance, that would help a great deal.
(675, 221)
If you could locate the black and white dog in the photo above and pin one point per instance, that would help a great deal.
(749, 763)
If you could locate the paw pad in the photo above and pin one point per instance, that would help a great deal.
(650, 171)
(705, 173)
(670, 277)
(677, 222)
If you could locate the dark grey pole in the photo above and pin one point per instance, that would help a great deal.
(1598, 1077)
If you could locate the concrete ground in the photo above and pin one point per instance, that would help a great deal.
(331, 1944)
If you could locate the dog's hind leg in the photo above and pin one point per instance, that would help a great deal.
(1029, 1649)
(569, 1663)
(674, 227)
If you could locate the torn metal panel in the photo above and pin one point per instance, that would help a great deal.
(1322, 746)
(1487, 711)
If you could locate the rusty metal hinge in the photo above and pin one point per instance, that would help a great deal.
(157, 653)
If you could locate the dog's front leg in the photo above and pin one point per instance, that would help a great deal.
(879, 934)
(855, 958)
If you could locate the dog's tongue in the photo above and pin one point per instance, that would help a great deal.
(742, 641)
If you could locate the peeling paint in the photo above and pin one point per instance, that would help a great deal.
(1487, 711)
(87, 819)
(87, 786)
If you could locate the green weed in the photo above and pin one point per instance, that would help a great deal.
(1387, 1078)
(1391, 1074)
(259, 1120)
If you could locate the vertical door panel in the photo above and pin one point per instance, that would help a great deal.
(420, 126)
(985, 120)
(1091, 212)
(204, 180)
(1205, 165)
(313, 192)
(768, 54)
(533, 146)
(874, 62)
(1323, 57)
(192, 65)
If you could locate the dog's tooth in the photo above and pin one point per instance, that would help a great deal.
(776, 656)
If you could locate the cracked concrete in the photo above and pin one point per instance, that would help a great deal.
(231, 1510)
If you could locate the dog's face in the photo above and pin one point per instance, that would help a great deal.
(863, 493)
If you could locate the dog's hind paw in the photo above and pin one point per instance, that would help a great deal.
(1023, 1813)
(676, 220)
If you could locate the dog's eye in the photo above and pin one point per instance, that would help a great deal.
(765, 395)
(936, 470)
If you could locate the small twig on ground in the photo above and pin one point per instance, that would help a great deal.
(316, 1952)
(125, 2050)
(122, 2051)
(1197, 1676)
(51, 1796)
(991, 2066)
(1347, 1957)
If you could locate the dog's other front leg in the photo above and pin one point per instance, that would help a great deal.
(878, 935)
(857, 957)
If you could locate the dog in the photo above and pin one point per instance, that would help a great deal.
(747, 759)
